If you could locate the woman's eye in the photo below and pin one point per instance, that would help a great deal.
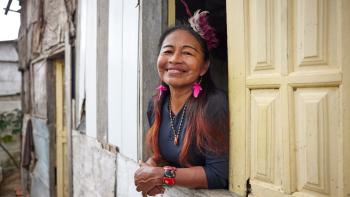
(187, 53)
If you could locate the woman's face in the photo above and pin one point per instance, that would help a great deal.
(181, 60)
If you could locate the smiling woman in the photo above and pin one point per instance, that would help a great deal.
(188, 117)
(10, 23)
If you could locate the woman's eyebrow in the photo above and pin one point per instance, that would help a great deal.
(166, 46)
(189, 46)
(185, 46)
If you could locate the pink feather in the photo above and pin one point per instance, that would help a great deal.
(196, 89)
(161, 89)
(200, 24)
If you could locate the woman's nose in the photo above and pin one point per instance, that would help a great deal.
(175, 58)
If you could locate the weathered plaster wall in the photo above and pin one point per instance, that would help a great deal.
(125, 176)
(94, 168)
(98, 172)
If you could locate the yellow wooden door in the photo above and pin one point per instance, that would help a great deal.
(61, 133)
(289, 91)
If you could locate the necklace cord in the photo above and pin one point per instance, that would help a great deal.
(176, 134)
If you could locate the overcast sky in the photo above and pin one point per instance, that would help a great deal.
(9, 24)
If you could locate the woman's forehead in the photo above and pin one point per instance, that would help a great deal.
(180, 37)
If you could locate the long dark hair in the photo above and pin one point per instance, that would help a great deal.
(208, 133)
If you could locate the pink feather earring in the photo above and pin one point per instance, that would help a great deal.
(161, 89)
(197, 88)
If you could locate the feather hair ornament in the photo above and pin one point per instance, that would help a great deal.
(200, 24)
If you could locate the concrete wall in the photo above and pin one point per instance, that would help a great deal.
(94, 168)
(101, 172)
(125, 176)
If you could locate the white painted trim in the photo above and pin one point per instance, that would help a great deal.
(90, 62)
(130, 74)
(115, 53)
(123, 76)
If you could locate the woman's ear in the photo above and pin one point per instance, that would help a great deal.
(205, 68)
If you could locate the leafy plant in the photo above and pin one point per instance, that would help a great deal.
(10, 125)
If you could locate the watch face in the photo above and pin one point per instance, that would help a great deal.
(169, 173)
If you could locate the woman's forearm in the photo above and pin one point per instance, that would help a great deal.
(192, 177)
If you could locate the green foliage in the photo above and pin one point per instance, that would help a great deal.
(7, 138)
(10, 125)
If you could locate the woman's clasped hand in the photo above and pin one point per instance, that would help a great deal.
(148, 179)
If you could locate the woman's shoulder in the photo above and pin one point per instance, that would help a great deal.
(218, 98)
(217, 105)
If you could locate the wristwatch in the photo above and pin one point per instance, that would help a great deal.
(169, 176)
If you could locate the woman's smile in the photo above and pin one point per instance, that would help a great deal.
(175, 70)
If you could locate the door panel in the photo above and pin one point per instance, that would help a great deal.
(265, 138)
(287, 92)
(264, 34)
(311, 33)
(61, 133)
(317, 125)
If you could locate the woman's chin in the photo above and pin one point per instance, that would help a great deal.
(175, 85)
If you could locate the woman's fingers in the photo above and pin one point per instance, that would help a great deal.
(156, 190)
(142, 172)
(147, 177)
(144, 194)
(145, 186)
